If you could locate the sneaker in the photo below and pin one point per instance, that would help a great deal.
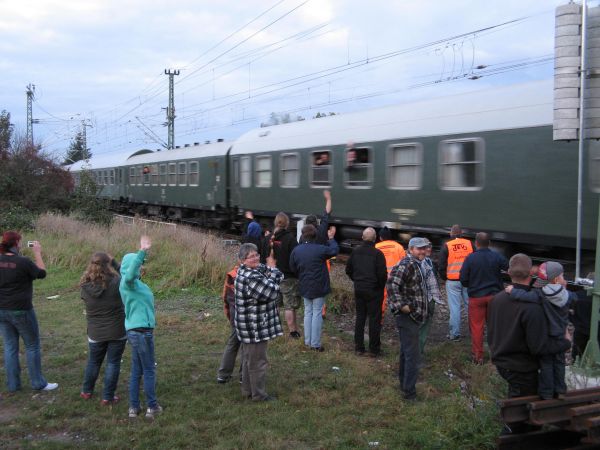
(223, 380)
(51, 387)
(454, 338)
(151, 412)
(134, 412)
(318, 349)
(85, 395)
(114, 400)
(295, 335)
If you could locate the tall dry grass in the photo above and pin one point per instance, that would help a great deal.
(180, 257)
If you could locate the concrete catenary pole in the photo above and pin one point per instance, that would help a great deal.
(171, 109)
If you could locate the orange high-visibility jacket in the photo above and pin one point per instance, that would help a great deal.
(458, 250)
(393, 252)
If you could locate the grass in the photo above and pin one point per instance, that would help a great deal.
(357, 406)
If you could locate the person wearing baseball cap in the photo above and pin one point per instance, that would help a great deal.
(407, 300)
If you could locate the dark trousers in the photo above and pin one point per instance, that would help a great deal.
(552, 375)
(229, 355)
(368, 304)
(520, 384)
(113, 351)
(410, 355)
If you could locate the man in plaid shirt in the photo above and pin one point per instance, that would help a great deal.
(408, 300)
(256, 317)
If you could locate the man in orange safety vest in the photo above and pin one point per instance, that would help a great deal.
(452, 255)
(393, 252)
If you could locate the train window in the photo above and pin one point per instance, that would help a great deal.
(404, 166)
(245, 172)
(263, 171)
(194, 174)
(163, 174)
(290, 170)
(112, 177)
(172, 174)
(461, 164)
(147, 172)
(106, 178)
(139, 171)
(182, 174)
(132, 176)
(321, 169)
(359, 167)
(594, 170)
(154, 174)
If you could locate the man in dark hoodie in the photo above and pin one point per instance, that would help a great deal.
(366, 267)
(282, 243)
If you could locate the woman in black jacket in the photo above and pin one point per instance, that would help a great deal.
(105, 325)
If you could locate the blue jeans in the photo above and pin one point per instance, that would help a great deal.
(12, 325)
(142, 364)
(410, 354)
(113, 350)
(313, 321)
(457, 296)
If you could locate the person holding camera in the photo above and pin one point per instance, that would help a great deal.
(140, 321)
(17, 316)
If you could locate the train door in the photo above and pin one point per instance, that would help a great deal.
(236, 196)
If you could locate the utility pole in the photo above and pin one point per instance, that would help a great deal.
(171, 109)
(30, 93)
(84, 126)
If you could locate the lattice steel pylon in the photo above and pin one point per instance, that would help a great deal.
(171, 109)
(30, 94)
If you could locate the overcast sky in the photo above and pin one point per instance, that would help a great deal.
(103, 61)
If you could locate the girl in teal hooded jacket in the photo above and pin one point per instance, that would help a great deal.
(139, 324)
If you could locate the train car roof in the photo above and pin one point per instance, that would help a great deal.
(193, 151)
(516, 106)
(105, 161)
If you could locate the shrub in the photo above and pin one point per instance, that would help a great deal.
(17, 218)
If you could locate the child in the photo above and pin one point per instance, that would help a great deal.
(555, 299)
(140, 321)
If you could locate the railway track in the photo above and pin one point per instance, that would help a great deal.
(571, 422)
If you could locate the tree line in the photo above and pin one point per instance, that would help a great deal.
(33, 181)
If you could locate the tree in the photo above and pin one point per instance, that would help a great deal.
(6, 130)
(279, 118)
(77, 150)
(320, 114)
(32, 180)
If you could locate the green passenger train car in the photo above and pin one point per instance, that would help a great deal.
(484, 159)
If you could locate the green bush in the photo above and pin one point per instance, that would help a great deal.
(86, 206)
(17, 218)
